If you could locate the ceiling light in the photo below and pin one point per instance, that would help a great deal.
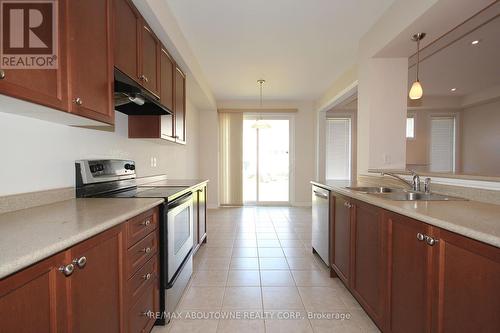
(416, 90)
(475, 42)
(453, 89)
(260, 123)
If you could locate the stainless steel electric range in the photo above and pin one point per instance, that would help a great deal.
(117, 179)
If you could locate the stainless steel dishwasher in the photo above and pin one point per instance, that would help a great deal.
(321, 223)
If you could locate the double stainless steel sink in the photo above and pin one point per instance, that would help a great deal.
(398, 194)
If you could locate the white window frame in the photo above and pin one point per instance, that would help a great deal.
(455, 137)
(413, 116)
(342, 117)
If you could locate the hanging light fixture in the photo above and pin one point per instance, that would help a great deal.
(416, 90)
(260, 123)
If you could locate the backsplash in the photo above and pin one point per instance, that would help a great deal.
(9, 203)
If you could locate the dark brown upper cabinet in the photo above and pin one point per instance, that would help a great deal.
(127, 36)
(180, 105)
(150, 60)
(167, 68)
(91, 59)
(42, 86)
(173, 96)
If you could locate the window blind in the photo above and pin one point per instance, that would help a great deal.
(338, 149)
(231, 158)
(442, 144)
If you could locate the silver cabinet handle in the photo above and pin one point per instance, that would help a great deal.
(321, 195)
(147, 276)
(2, 74)
(146, 250)
(146, 223)
(431, 241)
(348, 204)
(80, 262)
(78, 101)
(420, 236)
(143, 78)
(67, 270)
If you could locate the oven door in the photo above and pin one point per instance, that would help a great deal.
(179, 232)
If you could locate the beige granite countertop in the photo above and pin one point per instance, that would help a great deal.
(476, 220)
(33, 234)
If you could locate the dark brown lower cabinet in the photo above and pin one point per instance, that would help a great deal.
(466, 289)
(34, 300)
(95, 288)
(341, 230)
(413, 277)
(409, 275)
(200, 216)
(368, 280)
(85, 288)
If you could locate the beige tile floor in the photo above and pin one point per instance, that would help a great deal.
(258, 262)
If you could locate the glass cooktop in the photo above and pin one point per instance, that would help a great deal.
(149, 192)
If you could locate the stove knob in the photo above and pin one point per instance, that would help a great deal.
(132, 167)
(100, 167)
(127, 166)
(93, 168)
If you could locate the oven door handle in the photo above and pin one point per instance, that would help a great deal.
(180, 200)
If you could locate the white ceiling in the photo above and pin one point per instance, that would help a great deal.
(299, 46)
(466, 67)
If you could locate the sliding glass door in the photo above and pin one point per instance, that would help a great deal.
(266, 160)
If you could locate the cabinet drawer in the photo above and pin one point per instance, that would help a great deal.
(141, 252)
(141, 225)
(141, 316)
(144, 277)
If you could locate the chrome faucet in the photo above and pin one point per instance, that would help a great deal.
(427, 185)
(414, 184)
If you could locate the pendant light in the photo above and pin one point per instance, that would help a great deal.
(260, 123)
(416, 90)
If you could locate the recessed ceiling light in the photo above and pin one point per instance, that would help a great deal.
(453, 89)
(475, 42)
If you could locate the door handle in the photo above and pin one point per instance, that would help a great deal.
(321, 195)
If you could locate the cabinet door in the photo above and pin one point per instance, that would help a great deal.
(410, 265)
(127, 22)
(467, 282)
(95, 288)
(180, 106)
(202, 215)
(369, 260)
(342, 238)
(150, 60)
(167, 95)
(91, 59)
(42, 86)
(34, 299)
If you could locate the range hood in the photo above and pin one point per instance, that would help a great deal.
(133, 100)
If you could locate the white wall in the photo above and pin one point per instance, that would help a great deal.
(209, 153)
(382, 107)
(38, 155)
(481, 139)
